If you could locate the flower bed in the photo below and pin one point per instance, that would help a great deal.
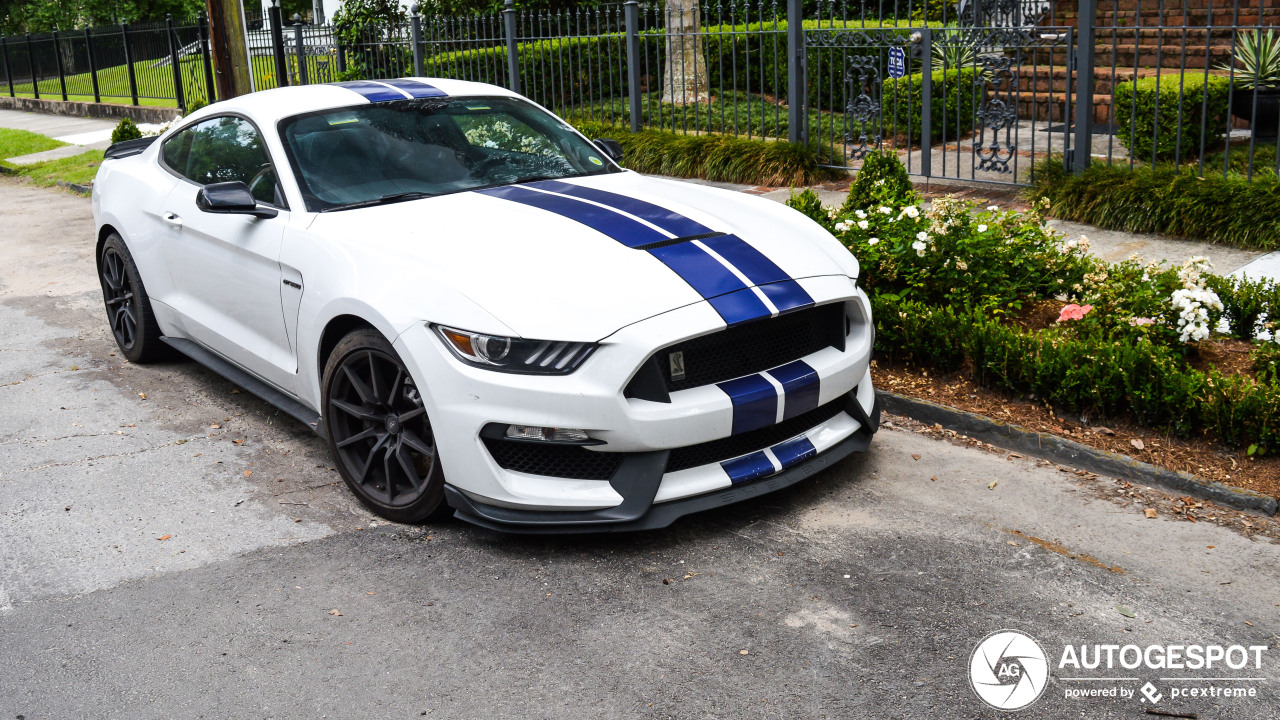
(1018, 307)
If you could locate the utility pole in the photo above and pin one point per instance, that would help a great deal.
(230, 49)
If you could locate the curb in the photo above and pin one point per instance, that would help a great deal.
(77, 108)
(85, 190)
(1052, 447)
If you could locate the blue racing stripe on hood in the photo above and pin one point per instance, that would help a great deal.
(669, 220)
(619, 227)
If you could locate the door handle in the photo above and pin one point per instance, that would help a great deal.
(172, 219)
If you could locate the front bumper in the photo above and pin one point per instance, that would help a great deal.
(638, 481)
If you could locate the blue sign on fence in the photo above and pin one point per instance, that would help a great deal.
(897, 62)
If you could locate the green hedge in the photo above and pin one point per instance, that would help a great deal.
(1164, 199)
(714, 157)
(567, 71)
(954, 102)
(1160, 118)
(1086, 375)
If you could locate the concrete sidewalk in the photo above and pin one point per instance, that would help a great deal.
(80, 134)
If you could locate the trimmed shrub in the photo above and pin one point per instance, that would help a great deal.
(1164, 199)
(882, 180)
(1160, 118)
(714, 157)
(125, 130)
(955, 99)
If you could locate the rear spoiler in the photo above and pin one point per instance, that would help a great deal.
(128, 148)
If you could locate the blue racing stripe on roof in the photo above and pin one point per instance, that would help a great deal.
(748, 467)
(669, 220)
(619, 227)
(416, 88)
(801, 386)
(372, 91)
(793, 451)
(755, 402)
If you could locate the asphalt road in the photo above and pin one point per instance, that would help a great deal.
(172, 547)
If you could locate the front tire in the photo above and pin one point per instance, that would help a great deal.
(128, 308)
(379, 432)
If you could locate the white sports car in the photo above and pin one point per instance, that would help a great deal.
(481, 311)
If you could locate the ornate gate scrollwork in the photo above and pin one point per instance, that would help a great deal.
(997, 84)
(862, 107)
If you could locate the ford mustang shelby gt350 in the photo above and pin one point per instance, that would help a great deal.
(480, 311)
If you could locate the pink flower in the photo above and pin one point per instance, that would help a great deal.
(1074, 312)
(1137, 322)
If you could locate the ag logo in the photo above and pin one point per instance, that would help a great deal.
(1008, 670)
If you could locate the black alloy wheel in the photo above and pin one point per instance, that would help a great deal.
(379, 431)
(117, 291)
(129, 312)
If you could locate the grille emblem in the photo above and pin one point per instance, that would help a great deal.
(677, 365)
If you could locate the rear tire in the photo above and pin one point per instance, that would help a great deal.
(378, 431)
(129, 314)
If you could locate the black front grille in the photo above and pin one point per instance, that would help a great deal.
(748, 442)
(750, 348)
(562, 461)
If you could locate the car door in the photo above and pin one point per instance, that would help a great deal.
(226, 267)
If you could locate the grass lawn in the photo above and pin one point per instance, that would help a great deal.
(155, 84)
(15, 143)
(78, 169)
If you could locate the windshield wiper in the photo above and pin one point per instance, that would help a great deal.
(384, 200)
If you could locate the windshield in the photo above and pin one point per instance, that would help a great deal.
(385, 152)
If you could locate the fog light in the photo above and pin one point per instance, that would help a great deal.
(547, 434)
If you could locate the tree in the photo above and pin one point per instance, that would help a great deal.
(685, 75)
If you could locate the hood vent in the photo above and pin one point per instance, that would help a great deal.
(677, 241)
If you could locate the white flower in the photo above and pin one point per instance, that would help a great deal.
(843, 226)
(919, 247)
(922, 236)
(993, 208)
(873, 242)
(982, 228)
(911, 211)
(962, 265)
(1224, 326)
(884, 210)
(863, 224)
(861, 215)
(832, 212)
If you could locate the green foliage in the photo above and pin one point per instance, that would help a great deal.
(1257, 57)
(1161, 118)
(367, 27)
(125, 130)
(1163, 199)
(36, 16)
(79, 169)
(809, 205)
(713, 157)
(16, 143)
(882, 180)
(196, 104)
(1237, 159)
(955, 99)
(1245, 303)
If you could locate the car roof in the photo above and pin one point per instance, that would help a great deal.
(269, 106)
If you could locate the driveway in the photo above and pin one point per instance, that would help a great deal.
(172, 547)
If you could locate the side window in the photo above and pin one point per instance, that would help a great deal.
(225, 149)
(175, 149)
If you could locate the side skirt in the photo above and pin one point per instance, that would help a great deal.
(235, 374)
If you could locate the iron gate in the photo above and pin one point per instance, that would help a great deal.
(977, 102)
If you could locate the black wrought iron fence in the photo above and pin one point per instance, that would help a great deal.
(979, 90)
(161, 63)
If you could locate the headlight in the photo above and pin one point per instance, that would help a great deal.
(517, 355)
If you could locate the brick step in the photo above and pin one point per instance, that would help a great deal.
(1052, 106)
(1170, 19)
(1056, 78)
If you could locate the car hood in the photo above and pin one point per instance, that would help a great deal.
(547, 276)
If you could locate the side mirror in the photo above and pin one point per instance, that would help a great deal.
(610, 147)
(231, 198)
